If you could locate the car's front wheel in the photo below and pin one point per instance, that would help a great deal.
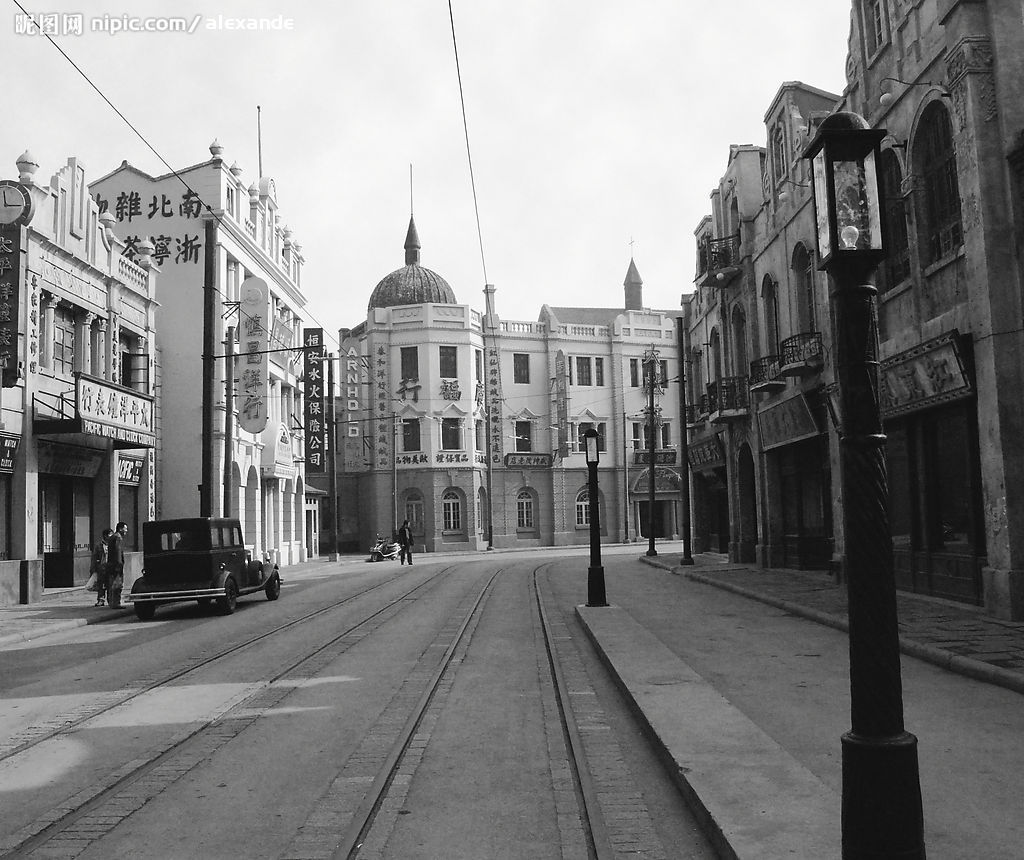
(145, 611)
(229, 601)
(273, 588)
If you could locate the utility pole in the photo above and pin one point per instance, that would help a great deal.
(209, 343)
(625, 483)
(651, 364)
(394, 471)
(229, 415)
(332, 436)
(684, 444)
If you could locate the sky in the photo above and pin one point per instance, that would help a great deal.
(597, 129)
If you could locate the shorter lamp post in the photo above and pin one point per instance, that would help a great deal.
(595, 574)
(881, 795)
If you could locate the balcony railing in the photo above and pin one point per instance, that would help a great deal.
(718, 261)
(801, 354)
(693, 415)
(727, 399)
(764, 374)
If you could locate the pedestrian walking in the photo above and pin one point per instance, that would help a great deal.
(98, 569)
(115, 565)
(405, 542)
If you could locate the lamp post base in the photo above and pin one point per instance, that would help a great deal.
(595, 587)
(686, 559)
(882, 813)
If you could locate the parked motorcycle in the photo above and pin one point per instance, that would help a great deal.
(384, 550)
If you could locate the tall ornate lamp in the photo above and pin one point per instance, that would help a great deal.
(595, 574)
(881, 807)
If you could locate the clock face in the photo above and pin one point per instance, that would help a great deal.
(15, 203)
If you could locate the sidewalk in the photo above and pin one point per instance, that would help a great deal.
(953, 636)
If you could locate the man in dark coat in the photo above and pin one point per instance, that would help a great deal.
(405, 542)
(115, 565)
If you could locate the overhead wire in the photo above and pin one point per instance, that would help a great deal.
(175, 173)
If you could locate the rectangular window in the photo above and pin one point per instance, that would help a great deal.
(478, 357)
(452, 513)
(663, 367)
(414, 514)
(666, 435)
(449, 363)
(636, 435)
(410, 362)
(524, 511)
(231, 201)
(598, 371)
(450, 440)
(524, 435)
(410, 434)
(63, 340)
(874, 25)
(634, 372)
(582, 428)
(583, 371)
(520, 368)
(481, 435)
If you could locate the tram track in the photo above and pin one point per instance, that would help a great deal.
(135, 783)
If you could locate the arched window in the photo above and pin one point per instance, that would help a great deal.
(803, 282)
(583, 508)
(739, 342)
(939, 202)
(770, 297)
(897, 258)
(524, 511)
(451, 507)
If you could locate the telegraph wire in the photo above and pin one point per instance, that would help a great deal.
(153, 149)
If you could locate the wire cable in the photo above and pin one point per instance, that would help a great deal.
(142, 137)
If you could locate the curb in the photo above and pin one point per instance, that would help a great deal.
(58, 627)
(977, 670)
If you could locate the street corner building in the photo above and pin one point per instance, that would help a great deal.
(760, 347)
(174, 221)
(78, 418)
(471, 427)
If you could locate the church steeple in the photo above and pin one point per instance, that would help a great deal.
(634, 288)
(412, 245)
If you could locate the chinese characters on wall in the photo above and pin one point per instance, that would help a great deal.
(10, 290)
(130, 207)
(314, 397)
(382, 443)
(494, 402)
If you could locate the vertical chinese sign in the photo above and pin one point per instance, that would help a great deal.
(562, 403)
(382, 451)
(494, 403)
(254, 363)
(15, 211)
(313, 400)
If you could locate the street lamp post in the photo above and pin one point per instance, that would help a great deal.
(651, 366)
(882, 814)
(595, 574)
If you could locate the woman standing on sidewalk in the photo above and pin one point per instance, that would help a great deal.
(99, 567)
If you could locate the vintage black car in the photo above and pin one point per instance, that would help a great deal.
(198, 559)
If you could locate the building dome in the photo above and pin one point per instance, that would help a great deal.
(413, 284)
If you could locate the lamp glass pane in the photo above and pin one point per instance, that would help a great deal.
(854, 207)
(591, 449)
(821, 202)
(874, 202)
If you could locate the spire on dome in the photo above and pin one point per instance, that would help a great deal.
(412, 245)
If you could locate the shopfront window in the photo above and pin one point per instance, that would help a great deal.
(5, 516)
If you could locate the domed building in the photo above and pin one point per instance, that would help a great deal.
(413, 284)
(442, 408)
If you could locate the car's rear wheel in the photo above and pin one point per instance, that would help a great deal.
(145, 611)
(273, 588)
(227, 603)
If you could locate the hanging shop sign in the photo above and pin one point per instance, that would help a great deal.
(562, 403)
(706, 453)
(313, 400)
(786, 422)
(108, 410)
(129, 470)
(494, 402)
(8, 451)
(665, 481)
(356, 440)
(72, 460)
(16, 209)
(931, 373)
(661, 458)
(254, 361)
(518, 461)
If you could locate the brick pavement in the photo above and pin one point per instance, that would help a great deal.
(954, 636)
